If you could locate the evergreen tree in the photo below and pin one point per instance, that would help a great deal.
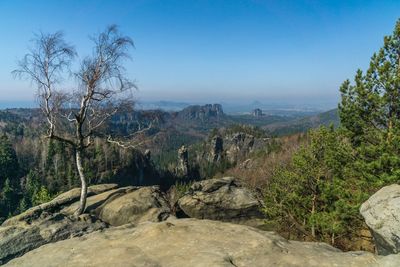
(370, 115)
(318, 192)
(9, 167)
(8, 200)
(41, 196)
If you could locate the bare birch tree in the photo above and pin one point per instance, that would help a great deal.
(101, 89)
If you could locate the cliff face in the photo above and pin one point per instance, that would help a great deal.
(232, 147)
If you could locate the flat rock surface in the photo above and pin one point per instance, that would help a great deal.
(191, 242)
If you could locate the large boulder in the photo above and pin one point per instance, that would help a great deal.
(382, 215)
(191, 242)
(131, 204)
(135, 206)
(220, 199)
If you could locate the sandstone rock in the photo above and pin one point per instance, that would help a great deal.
(220, 199)
(231, 147)
(238, 145)
(45, 223)
(54, 221)
(382, 215)
(135, 206)
(190, 242)
(55, 205)
(217, 149)
(182, 168)
(16, 240)
(94, 202)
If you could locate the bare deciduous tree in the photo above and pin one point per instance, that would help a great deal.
(75, 117)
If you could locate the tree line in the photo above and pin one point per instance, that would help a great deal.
(319, 193)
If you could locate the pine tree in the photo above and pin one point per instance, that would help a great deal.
(9, 167)
(8, 199)
(318, 192)
(41, 196)
(370, 115)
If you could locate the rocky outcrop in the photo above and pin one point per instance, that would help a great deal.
(220, 199)
(238, 145)
(135, 206)
(45, 224)
(217, 149)
(182, 168)
(131, 226)
(257, 113)
(382, 215)
(233, 147)
(18, 239)
(191, 242)
(48, 208)
(53, 221)
(126, 205)
(202, 113)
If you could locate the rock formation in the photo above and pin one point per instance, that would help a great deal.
(233, 147)
(257, 113)
(238, 145)
(132, 226)
(182, 168)
(382, 215)
(203, 113)
(217, 149)
(54, 221)
(196, 243)
(221, 199)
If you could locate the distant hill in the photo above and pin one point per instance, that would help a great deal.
(304, 124)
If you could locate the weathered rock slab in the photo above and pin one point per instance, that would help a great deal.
(382, 215)
(16, 240)
(196, 243)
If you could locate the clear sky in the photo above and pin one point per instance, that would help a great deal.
(202, 51)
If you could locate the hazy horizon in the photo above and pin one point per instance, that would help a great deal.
(212, 51)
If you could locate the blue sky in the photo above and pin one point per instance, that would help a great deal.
(203, 51)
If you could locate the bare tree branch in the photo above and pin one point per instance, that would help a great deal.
(102, 88)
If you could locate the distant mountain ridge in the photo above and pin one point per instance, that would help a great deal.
(303, 124)
(205, 112)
